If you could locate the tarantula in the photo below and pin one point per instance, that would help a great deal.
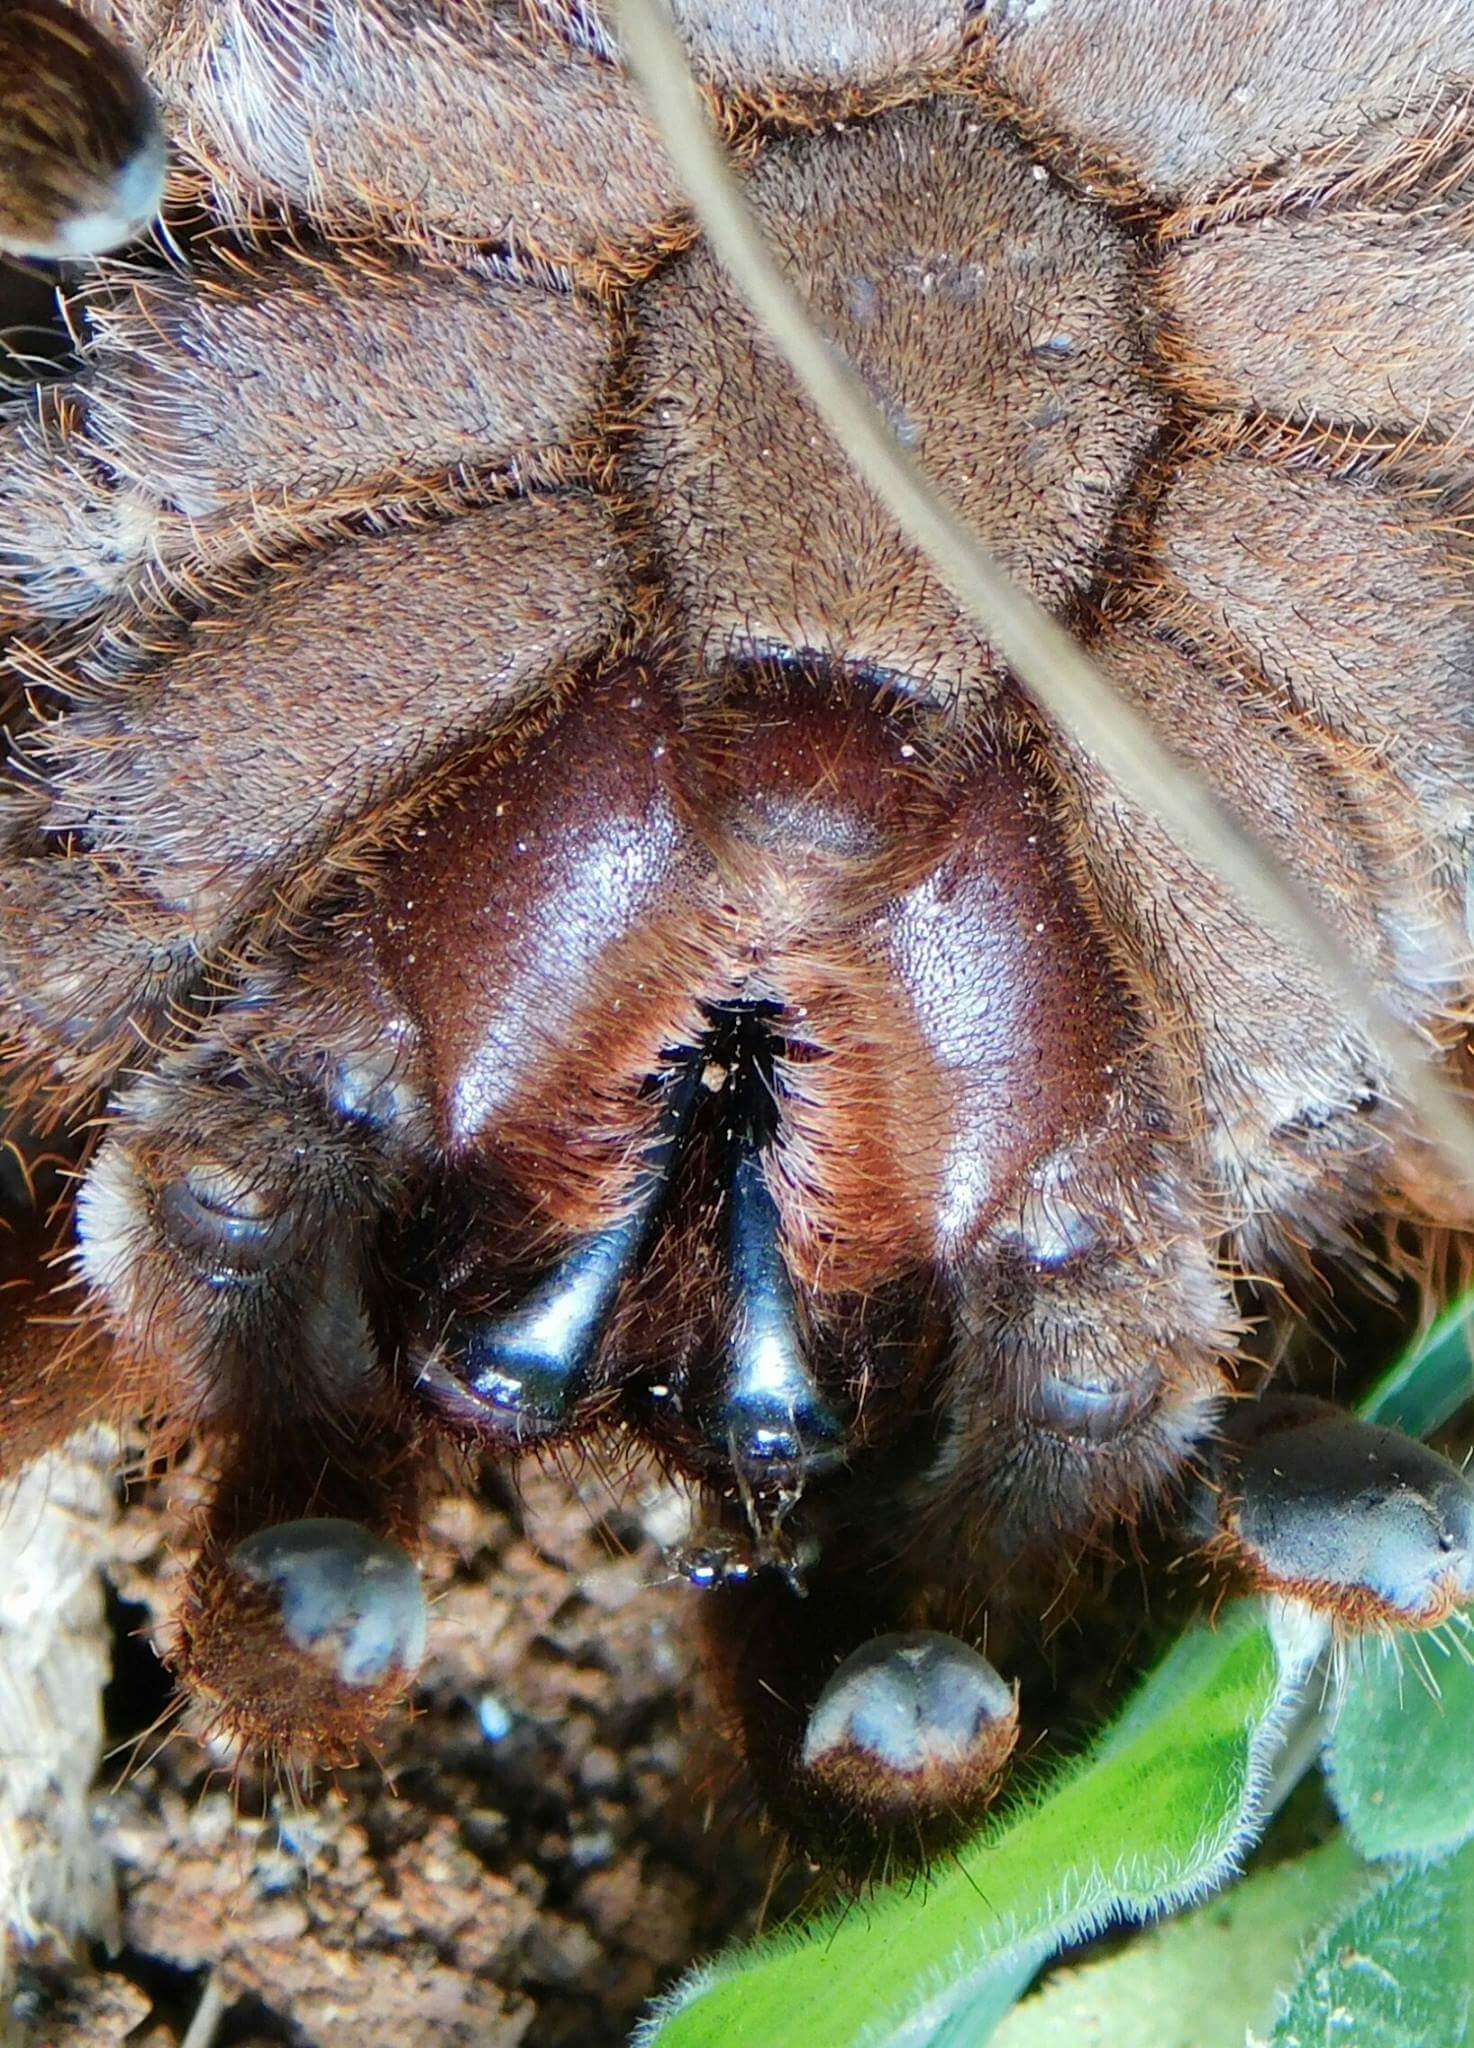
(559, 929)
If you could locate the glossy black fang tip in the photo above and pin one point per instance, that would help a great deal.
(525, 1371)
(533, 1364)
(772, 1419)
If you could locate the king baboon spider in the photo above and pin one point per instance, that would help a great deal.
(557, 926)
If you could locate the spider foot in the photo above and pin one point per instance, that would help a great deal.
(301, 1636)
(874, 1758)
(81, 145)
(298, 1632)
(1363, 1523)
(912, 1732)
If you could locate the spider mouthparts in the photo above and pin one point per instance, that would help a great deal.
(531, 1366)
(771, 1418)
(763, 1417)
(520, 1374)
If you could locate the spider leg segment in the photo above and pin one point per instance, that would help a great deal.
(330, 687)
(81, 145)
(303, 1634)
(1368, 1525)
(227, 1222)
(912, 1729)
(1262, 83)
(230, 410)
(297, 719)
(1378, 283)
(1086, 1373)
(816, 44)
(476, 123)
(343, 1593)
(55, 1377)
(356, 668)
(1224, 556)
(875, 1743)
(457, 125)
(1292, 1102)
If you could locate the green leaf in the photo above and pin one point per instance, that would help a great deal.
(1155, 1812)
(1395, 1972)
(1201, 1981)
(1432, 1380)
(1401, 1757)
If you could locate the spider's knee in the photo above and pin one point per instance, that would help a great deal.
(1082, 1393)
(224, 1222)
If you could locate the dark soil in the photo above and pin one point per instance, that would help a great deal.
(536, 1852)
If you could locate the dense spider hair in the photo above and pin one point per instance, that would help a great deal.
(549, 922)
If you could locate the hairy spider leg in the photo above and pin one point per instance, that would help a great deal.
(1359, 1521)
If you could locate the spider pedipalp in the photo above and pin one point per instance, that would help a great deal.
(82, 149)
(911, 1732)
(346, 1597)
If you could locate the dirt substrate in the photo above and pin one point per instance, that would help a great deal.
(538, 1851)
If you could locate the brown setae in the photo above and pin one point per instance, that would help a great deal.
(541, 922)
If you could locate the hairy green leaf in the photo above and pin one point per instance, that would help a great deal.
(1201, 1981)
(1401, 1759)
(1155, 1812)
(1395, 1971)
(1433, 1378)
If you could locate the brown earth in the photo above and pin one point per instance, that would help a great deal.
(536, 1852)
